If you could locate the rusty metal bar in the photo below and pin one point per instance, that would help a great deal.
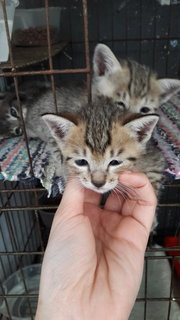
(14, 253)
(31, 295)
(42, 72)
(162, 249)
(171, 289)
(48, 35)
(174, 299)
(50, 55)
(28, 208)
(145, 287)
(168, 205)
(86, 46)
(169, 257)
(22, 190)
(55, 206)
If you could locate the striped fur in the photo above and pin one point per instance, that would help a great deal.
(104, 141)
(132, 86)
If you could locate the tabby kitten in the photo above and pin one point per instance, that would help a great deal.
(132, 86)
(36, 99)
(100, 141)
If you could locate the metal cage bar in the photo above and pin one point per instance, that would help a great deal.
(25, 214)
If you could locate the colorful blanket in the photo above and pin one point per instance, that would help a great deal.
(167, 135)
(15, 165)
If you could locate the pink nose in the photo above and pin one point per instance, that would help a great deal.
(98, 184)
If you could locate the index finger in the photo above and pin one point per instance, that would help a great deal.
(73, 199)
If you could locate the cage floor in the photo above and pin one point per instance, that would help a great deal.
(156, 284)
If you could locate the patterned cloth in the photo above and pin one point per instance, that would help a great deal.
(167, 135)
(15, 165)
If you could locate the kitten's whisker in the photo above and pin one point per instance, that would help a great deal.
(121, 192)
(116, 194)
(128, 190)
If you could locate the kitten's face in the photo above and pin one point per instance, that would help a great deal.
(95, 153)
(10, 121)
(116, 86)
(132, 86)
(99, 171)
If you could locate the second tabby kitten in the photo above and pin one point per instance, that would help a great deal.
(131, 85)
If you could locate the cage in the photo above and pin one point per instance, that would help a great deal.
(148, 32)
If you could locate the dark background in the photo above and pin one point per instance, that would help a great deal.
(140, 29)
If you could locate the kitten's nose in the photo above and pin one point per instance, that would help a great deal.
(98, 184)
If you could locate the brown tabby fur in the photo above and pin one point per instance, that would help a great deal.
(101, 133)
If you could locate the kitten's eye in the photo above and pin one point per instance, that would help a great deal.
(145, 109)
(121, 104)
(114, 163)
(18, 131)
(81, 162)
(13, 112)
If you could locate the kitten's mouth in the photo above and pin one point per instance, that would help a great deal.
(104, 189)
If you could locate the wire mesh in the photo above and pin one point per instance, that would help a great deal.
(25, 222)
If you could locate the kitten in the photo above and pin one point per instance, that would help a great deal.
(100, 141)
(67, 99)
(131, 86)
(10, 120)
(36, 99)
(10, 115)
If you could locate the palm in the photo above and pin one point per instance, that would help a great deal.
(97, 253)
(120, 239)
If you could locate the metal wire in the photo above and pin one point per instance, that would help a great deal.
(20, 204)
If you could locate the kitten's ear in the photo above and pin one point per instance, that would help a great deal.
(104, 61)
(142, 127)
(58, 126)
(168, 88)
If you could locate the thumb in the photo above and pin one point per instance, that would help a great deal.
(142, 186)
(142, 206)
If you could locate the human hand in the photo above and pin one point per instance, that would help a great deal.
(93, 263)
